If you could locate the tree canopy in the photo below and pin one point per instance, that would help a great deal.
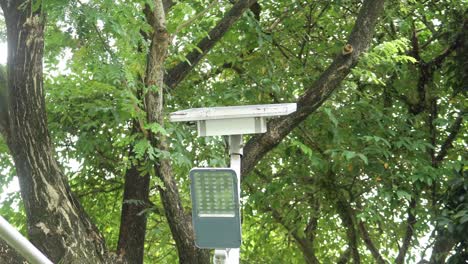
(369, 169)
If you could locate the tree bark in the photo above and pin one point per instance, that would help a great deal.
(359, 39)
(305, 245)
(132, 232)
(410, 222)
(179, 222)
(346, 215)
(137, 186)
(57, 224)
(344, 258)
(370, 245)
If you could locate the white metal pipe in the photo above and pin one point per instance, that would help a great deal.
(235, 151)
(21, 244)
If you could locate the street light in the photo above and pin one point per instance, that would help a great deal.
(216, 214)
(224, 233)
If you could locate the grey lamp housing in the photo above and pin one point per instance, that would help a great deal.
(215, 212)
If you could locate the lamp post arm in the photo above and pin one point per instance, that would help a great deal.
(21, 244)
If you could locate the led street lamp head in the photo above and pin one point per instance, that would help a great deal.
(215, 212)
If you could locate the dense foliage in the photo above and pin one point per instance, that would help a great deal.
(376, 174)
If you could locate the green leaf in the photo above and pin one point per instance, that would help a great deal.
(331, 116)
(140, 148)
(364, 158)
(156, 128)
(403, 194)
(349, 154)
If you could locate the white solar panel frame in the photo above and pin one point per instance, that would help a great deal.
(232, 112)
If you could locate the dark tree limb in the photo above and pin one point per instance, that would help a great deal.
(437, 61)
(321, 90)
(433, 112)
(179, 72)
(344, 258)
(305, 243)
(415, 44)
(133, 221)
(410, 222)
(370, 244)
(427, 69)
(453, 132)
(346, 214)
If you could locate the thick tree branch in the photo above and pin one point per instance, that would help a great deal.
(453, 132)
(305, 243)
(5, 7)
(410, 222)
(433, 112)
(137, 186)
(344, 258)
(321, 90)
(179, 222)
(437, 61)
(370, 245)
(426, 70)
(415, 44)
(346, 214)
(179, 72)
(425, 76)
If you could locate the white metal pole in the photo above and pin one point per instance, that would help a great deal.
(21, 244)
(235, 151)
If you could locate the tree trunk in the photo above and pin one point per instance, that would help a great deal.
(137, 186)
(179, 222)
(133, 222)
(57, 224)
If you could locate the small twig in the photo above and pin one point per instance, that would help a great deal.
(410, 222)
(192, 19)
(104, 41)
